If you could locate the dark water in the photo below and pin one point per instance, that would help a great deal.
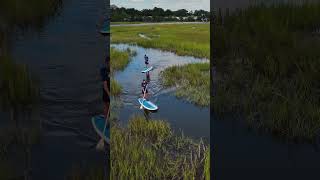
(252, 153)
(66, 56)
(192, 120)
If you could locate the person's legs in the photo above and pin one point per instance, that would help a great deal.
(146, 95)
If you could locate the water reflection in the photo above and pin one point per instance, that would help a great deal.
(58, 128)
(181, 114)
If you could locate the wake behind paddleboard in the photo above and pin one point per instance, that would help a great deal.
(99, 123)
(147, 104)
(147, 69)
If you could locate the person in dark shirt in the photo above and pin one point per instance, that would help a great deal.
(146, 60)
(144, 89)
(104, 73)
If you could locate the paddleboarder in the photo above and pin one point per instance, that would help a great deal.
(146, 60)
(144, 89)
(104, 73)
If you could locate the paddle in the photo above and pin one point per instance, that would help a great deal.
(100, 145)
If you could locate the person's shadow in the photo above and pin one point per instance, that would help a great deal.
(148, 77)
(146, 114)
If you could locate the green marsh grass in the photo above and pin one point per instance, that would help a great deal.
(120, 59)
(182, 39)
(266, 60)
(18, 89)
(207, 164)
(18, 96)
(116, 88)
(150, 150)
(28, 13)
(192, 82)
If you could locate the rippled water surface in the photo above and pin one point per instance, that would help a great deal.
(194, 121)
(66, 56)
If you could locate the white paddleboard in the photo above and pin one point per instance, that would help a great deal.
(147, 69)
(147, 104)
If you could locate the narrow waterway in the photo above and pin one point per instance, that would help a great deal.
(183, 116)
(66, 56)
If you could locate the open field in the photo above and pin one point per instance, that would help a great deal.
(183, 39)
(267, 68)
(115, 23)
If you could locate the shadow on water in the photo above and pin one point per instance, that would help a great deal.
(192, 120)
(65, 52)
(250, 153)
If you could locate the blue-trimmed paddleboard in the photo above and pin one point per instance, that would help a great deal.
(147, 69)
(99, 123)
(105, 29)
(147, 104)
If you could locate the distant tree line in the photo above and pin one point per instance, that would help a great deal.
(157, 15)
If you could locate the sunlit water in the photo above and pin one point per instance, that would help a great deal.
(183, 116)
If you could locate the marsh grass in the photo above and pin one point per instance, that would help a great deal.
(116, 88)
(207, 164)
(192, 82)
(120, 59)
(266, 60)
(18, 89)
(33, 13)
(150, 150)
(18, 96)
(118, 62)
(182, 39)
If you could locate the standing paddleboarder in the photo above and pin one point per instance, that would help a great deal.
(104, 73)
(146, 60)
(144, 89)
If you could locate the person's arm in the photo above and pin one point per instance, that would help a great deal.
(105, 86)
